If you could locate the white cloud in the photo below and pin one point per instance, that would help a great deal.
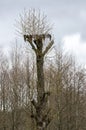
(68, 17)
(73, 44)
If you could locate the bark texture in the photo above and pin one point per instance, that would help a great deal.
(41, 114)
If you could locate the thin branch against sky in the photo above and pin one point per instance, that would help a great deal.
(69, 18)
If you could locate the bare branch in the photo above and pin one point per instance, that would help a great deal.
(33, 22)
(48, 47)
(29, 39)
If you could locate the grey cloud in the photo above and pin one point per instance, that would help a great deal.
(68, 16)
(70, 19)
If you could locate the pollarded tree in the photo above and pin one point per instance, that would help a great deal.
(36, 31)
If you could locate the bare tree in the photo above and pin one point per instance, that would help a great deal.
(4, 88)
(36, 30)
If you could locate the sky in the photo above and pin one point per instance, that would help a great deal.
(67, 16)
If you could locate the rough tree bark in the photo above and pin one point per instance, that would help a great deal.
(41, 118)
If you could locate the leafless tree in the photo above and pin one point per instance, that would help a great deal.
(35, 31)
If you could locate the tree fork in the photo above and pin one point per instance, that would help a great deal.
(42, 119)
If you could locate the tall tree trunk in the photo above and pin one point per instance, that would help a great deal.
(40, 77)
(41, 114)
(40, 84)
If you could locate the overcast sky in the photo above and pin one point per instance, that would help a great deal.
(68, 17)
